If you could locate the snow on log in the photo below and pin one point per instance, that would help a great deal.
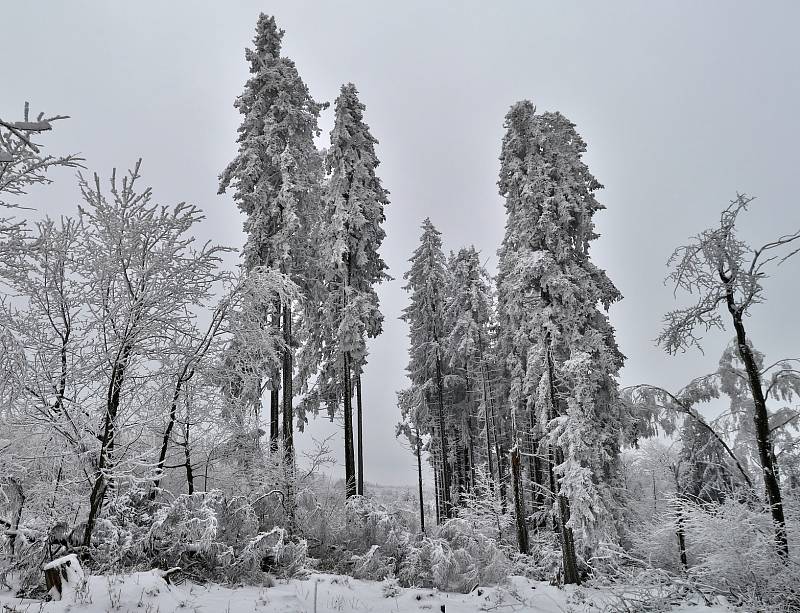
(166, 574)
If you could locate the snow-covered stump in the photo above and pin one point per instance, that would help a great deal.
(61, 573)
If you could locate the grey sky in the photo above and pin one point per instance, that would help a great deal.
(681, 104)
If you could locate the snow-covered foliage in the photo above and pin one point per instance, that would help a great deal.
(556, 343)
(23, 163)
(343, 310)
(134, 371)
(730, 550)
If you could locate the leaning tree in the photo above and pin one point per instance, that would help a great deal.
(725, 275)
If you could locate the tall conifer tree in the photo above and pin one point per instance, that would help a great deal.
(276, 177)
(427, 282)
(351, 235)
(559, 345)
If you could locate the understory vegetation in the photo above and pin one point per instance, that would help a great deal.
(150, 396)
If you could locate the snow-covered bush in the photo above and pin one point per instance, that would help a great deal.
(544, 561)
(187, 533)
(456, 558)
(730, 550)
(20, 561)
(374, 564)
(370, 523)
(390, 588)
(485, 510)
(272, 551)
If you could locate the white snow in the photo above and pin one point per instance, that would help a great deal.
(147, 591)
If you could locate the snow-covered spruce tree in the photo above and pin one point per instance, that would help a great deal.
(468, 314)
(561, 357)
(276, 176)
(351, 233)
(725, 274)
(427, 281)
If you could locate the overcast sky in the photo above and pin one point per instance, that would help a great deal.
(682, 104)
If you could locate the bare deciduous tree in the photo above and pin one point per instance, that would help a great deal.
(726, 275)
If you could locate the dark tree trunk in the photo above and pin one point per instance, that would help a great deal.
(445, 484)
(106, 442)
(436, 493)
(419, 482)
(288, 417)
(467, 470)
(162, 456)
(188, 460)
(501, 465)
(360, 450)
(681, 539)
(471, 451)
(274, 418)
(274, 399)
(349, 456)
(537, 481)
(763, 434)
(487, 411)
(567, 540)
(519, 502)
(571, 575)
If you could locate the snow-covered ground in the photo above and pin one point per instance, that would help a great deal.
(149, 593)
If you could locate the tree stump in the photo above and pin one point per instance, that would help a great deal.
(61, 571)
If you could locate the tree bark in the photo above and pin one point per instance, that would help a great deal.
(436, 493)
(763, 435)
(419, 482)
(519, 502)
(349, 456)
(445, 485)
(537, 485)
(107, 441)
(274, 399)
(288, 417)
(679, 532)
(487, 412)
(360, 450)
(567, 539)
(188, 460)
(162, 455)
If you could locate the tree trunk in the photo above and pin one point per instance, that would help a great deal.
(567, 539)
(106, 442)
(419, 482)
(763, 435)
(188, 460)
(162, 456)
(436, 493)
(274, 418)
(360, 450)
(681, 539)
(519, 502)
(471, 452)
(567, 544)
(487, 412)
(537, 485)
(288, 417)
(349, 456)
(501, 465)
(274, 400)
(445, 485)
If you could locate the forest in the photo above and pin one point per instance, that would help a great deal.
(152, 396)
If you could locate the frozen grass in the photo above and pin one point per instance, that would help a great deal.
(147, 592)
